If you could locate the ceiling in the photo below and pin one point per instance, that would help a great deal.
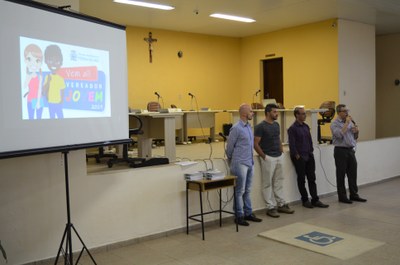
(270, 15)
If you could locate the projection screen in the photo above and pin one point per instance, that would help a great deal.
(63, 80)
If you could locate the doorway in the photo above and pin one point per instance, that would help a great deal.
(272, 79)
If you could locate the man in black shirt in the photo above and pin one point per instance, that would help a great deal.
(268, 145)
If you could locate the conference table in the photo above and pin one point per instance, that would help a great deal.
(157, 125)
(285, 120)
(164, 126)
(199, 119)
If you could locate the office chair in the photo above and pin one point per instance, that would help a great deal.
(327, 117)
(256, 105)
(153, 106)
(280, 105)
(125, 157)
(100, 154)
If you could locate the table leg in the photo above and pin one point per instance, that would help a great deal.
(234, 210)
(187, 208)
(212, 134)
(169, 138)
(220, 208)
(201, 213)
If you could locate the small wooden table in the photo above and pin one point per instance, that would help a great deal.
(207, 185)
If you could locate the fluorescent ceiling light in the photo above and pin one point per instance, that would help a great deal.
(235, 18)
(144, 4)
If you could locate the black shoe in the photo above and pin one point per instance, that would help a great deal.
(319, 204)
(252, 218)
(307, 204)
(358, 199)
(345, 200)
(241, 221)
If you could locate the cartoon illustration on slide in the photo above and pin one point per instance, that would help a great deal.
(75, 83)
(33, 57)
(54, 85)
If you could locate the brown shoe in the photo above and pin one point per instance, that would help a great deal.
(285, 209)
(273, 213)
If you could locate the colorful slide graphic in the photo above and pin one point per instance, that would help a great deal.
(63, 81)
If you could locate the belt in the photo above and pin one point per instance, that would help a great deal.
(344, 147)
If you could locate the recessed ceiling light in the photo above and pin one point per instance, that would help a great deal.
(145, 4)
(235, 18)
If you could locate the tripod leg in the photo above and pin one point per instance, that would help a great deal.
(84, 247)
(61, 244)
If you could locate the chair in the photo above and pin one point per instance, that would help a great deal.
(256, 105)
(327, 117)
(280, 105)
(125, 157)
(153, 106)
(100, 154)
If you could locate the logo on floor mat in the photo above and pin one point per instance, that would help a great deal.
(319, 239)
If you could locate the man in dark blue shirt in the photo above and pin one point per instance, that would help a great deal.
(301, 153)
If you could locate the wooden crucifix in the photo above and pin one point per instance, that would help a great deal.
(150, 41)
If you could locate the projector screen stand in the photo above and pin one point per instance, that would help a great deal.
(69, 228)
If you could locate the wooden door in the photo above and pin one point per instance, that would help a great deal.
(272, 78)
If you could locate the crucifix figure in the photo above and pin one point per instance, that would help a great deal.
(150, 41)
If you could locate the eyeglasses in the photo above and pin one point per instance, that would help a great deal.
(344, 110)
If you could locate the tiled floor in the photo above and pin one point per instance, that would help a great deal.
(378, 219)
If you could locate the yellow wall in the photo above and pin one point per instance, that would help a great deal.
(209, 69)
(223, 72)
(310, 63)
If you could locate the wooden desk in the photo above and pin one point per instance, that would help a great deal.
(199, 119)
(208, 185)
(158, 125)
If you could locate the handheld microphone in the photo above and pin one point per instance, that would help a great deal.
(190, 94)
(158, 95)
(258, 91)
(223, 136)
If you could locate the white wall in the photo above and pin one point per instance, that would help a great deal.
(387, 93)
(357, 74)
(115, 206)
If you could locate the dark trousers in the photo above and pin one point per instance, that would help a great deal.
(346, 164)
(306, 169)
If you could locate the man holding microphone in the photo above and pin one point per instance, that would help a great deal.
(344, 138)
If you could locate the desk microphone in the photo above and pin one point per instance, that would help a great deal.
(223, 136)
(190, 94)
(158, 95)
(255, 95)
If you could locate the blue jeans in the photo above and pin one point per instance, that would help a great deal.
(56, 109)
(244, 180)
